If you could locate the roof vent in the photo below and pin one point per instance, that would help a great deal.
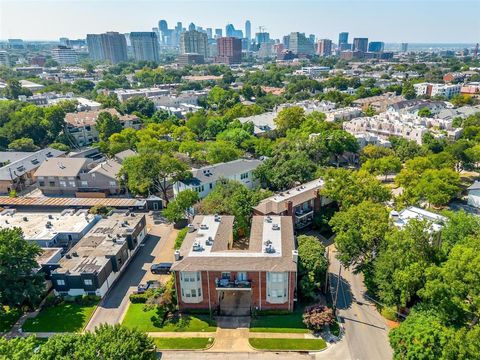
(217, 218)
(275, 227)
(270, 249)
(177, 255)
(268, 219)
(25, 218)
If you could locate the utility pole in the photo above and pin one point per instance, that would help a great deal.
(336, 291)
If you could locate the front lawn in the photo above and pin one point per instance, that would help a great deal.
(64, 317)
(288, 344)
(8, 317)
(288, 323)
(150, 321)
(183, 343)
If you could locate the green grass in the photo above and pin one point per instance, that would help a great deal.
(8, 317)
(288, 323)
(288, 344)
(149, 321)
(180, 237)
(183, 343)
(65, 317)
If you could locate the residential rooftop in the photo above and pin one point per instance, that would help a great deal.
(67, 167)
(401, 219)
(208, 245)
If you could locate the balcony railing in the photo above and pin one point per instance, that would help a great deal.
(237, 284)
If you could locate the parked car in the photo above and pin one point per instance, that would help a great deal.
(151, 284)
(162, 268)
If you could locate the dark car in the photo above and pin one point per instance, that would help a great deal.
(162, 268)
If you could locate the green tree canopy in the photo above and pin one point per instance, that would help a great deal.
(312, 265)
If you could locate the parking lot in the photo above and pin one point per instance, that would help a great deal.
(157, 247)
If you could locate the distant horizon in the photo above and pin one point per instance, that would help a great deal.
(390, 21)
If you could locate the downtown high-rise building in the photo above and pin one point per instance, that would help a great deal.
(376, 46)
(343, 41)
(262, 37)
(194, 42)
(229, 50)
(404, 47)
(324, 47)
(360, 44)
(145, 46)
(299, 44)
(218, 33)
(110, 46)
(248, 30)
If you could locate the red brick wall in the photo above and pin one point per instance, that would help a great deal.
(259, 294)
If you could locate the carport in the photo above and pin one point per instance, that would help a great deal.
(235, 302)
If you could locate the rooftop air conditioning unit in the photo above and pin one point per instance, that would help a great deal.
(217, 218)
(268, 219)
(275, 227)
(177, 255)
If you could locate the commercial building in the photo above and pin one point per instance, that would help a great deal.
(343, 41)
(300, 203)
(110, 47)
(79, 177)
(248, 30)
(324, 47)
(97, 260)
(81, 125)
(190, 59)
(376, 46)
(145, 46)
(194, 42)
(64, 55)
(229, 50)
(4, 59)
(213, 273)
(17, 168)
(299, 44)
(471, 88)
(360, 44)
(203, 180)
(444, 90)
(52, 228)
(404, 47)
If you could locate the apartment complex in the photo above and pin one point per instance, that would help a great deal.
(64, 55)
(110, 47)
(80, 177)
(194, 42)
(17, 168)
(444, 90)
(203, 180)
(324, 47)
(97, 260)
(229, 50)
(300, 203)
(145, 46)
(81, 125)
(213, 273)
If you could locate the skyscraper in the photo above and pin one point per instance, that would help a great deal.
(376, 46)
(194, 42)
(248, 30)
(324, 47)
(404, 47)
(110, 46)
(145, 46)
(163, 26)
(191, 27)
(299, 44)
(229, 50)
(342, 38)
(262, 37)
(360, 44)
(209, 33)
(218, 33)
(64, 55)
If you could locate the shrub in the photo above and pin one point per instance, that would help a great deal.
(12, 193)
(389, 313)
(315, 317)
(100, 210)
(141, 298)
(52, 300)
(180, 237)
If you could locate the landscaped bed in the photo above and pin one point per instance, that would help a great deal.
(8, 317)
(64, 317)
(284, 323)
(183, 343)
(149, 320)
(288, 344)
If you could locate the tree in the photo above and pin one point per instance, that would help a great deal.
(107, 125)
(459, 226)
(149, 173)
(83, 85)
(315, 317)
(374, 152)
(221, 151)
(421, 336)
(220, 99)
(177, 209)
(18, 348)
(139, 104)
(438, 187)
(312, 265)
(349, 188)
(23, 144)
(383, 166)
(408, 91)
(360, 232)
(399, 268)
(425, 113)
(289, 118)
(20, 283)
(13, 90)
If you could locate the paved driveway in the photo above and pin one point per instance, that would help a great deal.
(155, 248)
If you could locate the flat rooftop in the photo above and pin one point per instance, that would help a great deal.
(276, 204)
(105, 239)
(208, 245)
(70, 202)
(47, 225)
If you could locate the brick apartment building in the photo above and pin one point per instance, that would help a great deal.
(212, 272)
(229, 50)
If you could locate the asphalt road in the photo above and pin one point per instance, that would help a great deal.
(113, 306)
(366, 333)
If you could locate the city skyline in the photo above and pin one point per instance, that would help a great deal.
(377, 20)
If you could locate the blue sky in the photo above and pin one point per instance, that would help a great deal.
(387, 20)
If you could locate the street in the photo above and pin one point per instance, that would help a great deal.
(156, 247)
(366, 332)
